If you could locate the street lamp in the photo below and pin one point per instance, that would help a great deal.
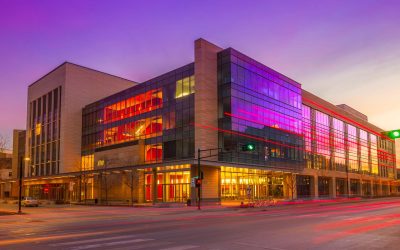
(20, 183)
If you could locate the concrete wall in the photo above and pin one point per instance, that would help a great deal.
(80, 87)
(206, 94)
(83, 86)
(210, 183)
(120, 157)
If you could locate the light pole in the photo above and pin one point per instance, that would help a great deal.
(198, 176)
(20, 183)
(348, 181)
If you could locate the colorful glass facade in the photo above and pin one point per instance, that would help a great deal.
(159, 113)
(260, 106)
(333, 144)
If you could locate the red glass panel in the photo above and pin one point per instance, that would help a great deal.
(132, 106)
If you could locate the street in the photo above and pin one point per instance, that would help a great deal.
(365, 224)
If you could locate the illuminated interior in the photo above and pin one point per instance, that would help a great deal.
(153, 153)
(184, 87)
(87, 162)
(132, 106)
(171, 186)
(141, 129)
(374, 154)
(235, 183)
(38, 129)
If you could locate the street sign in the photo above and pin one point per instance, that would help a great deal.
(193, 182)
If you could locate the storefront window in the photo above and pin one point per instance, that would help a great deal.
(243, 183)
(171, 186)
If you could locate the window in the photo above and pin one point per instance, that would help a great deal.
(141, 129)
(38, 129)
(153, 153)
(352, 144)
(339, 145)
(184, 87)
(133, 106)
(322, 140)
(364, 158)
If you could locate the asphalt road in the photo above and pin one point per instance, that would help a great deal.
(372, 224)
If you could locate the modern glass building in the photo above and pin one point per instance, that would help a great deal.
(141, 144)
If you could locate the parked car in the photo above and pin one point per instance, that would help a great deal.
(30, 202)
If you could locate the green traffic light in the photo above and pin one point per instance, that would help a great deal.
(249, 147)
(394, 134)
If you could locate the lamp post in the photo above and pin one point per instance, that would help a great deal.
(198, 176)
(20, 183)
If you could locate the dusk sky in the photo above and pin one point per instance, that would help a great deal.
(343, 51)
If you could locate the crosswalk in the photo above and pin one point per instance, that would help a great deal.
(120, 242)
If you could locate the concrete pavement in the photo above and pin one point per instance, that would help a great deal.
(367, 224)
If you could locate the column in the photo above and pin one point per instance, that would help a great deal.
(314, 187)
(154, 186)
(372, 188)
(332, 187)
(380, 188)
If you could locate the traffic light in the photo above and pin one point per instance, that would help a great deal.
(394, 134)
(198, 182)
(249, 147)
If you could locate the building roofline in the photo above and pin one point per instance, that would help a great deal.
(334, 109)
(285, 77)
(84, 67)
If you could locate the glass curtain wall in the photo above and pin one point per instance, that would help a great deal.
(260, 106)
(374, 154)
(364, 152)
(339, 145)
(159, 112)
(322, 132)
(352, 147)
(306, 111)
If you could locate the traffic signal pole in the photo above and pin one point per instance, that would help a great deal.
(199, 174)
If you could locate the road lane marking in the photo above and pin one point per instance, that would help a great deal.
(109, 244)
(180, 247)
(258, 246)
(90, 240)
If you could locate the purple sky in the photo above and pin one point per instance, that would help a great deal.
(344, 51)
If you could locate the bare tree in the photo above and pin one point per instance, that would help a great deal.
(290, 182)
(130, 182)
(105, 181)
(3, 143)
